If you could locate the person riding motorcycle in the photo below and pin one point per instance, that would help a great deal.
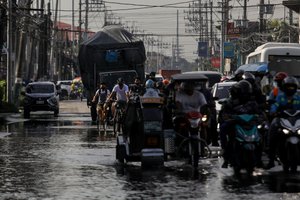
(239, 102)
(188, 99)
(277, 89)
(137, 87)
(150, 89)
(256, 91)
(288, 99)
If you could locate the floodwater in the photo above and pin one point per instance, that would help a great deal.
(67, 159)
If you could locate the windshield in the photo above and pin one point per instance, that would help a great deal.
(222, 92)
(40, 89)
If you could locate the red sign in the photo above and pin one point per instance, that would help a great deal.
(216, 62)
(233, 31)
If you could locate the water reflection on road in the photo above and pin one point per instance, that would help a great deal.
(69, 159)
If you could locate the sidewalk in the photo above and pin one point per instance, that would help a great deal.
(4, 116)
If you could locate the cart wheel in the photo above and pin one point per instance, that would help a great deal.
(120, 153)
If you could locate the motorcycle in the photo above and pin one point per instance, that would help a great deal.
(244, 143)
(289, 140)
(190, 134)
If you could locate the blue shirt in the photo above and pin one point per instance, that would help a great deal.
(282, 101)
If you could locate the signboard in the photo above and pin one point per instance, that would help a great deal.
(202, 49)
(233, 31)
(215, 62)
(228, 50)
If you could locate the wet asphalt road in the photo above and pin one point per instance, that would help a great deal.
(66, 158)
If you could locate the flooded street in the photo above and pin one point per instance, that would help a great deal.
(66, 158)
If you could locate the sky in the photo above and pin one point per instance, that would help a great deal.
(162, 20)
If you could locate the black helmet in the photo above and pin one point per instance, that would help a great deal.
(290, 85)
(238, 74)
(249, 77)
(120, 80)
(246, 91)
(246, 87)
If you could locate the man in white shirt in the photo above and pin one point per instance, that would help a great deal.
(119, 92)
(188, 99)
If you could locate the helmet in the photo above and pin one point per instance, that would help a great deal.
(238, 74)
(120, 80)
(290, 85)
(166, 82)
(235, 90)
(249, 77)
(245, 91)
(187, 87)
(246, 87)
(149, 83)
(280, 76)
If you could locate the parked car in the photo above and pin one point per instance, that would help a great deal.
(221, 91)
(41, 96)
(65, 88)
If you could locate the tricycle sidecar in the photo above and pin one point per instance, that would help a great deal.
(142, 137)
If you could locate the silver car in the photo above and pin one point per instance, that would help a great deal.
(41, 96)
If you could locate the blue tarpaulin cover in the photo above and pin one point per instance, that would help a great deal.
(257, 67)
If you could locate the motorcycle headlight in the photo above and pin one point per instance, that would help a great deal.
(298, 132)
(285, 131)
(259, 126)
(204, 118)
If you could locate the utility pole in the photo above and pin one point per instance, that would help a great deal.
(261, 16)
(177, 40)
(21, 62)
(86, 19)
(53, 61)
(211, 27)
(80, 23)
(9, 53)
(223, 32)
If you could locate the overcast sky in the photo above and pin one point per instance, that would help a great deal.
(161, 20)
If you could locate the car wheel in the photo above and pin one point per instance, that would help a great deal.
(56, 113)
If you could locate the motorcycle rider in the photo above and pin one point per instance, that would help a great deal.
(256, 91)
(277, 89)
(288, 99)
(150, 89)
(120, 91)
(188, 99)
(137, 87)
(239, 102)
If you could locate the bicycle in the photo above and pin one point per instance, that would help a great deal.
(102, 116)
(118, 116)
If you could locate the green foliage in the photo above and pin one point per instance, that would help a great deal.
(2, 90)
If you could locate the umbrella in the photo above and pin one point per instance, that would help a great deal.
(257, 67)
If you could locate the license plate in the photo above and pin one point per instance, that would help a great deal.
(39, 102)
(152, 141)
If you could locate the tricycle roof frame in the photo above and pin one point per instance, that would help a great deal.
(189, 77)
